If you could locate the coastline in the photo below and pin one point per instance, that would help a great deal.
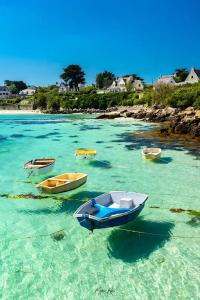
(173, 120)
(20, 112)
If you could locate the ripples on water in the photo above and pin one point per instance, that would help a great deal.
(45, 254)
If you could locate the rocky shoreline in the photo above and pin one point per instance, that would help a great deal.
(174, 120)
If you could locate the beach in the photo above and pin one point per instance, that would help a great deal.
(19, 112)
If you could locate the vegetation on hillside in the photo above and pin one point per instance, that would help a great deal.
(179, 96)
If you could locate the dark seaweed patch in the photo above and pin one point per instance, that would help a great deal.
(99, 142)
(73, 136)
(44, 136)
(17, 135)
(89, 127)
(135, 141)
(119, 125)
(104, 164)
(58, 235)
(3, 138)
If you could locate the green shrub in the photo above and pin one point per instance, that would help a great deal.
(197, 103)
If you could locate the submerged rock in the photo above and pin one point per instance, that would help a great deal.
(58, 235)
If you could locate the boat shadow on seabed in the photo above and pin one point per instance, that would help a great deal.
(130, 246)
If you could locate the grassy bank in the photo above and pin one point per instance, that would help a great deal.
(179, 96)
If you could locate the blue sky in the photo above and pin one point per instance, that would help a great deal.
(147, 37)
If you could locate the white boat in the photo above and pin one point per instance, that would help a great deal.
(39, 166)
(151, 153)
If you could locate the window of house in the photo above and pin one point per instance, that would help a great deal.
(192, 77)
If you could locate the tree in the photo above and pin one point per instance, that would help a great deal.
(73, 75)
(104, 79)
(15, 86)
(181, 74)
(135, 77)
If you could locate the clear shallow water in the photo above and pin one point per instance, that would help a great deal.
(111, 263)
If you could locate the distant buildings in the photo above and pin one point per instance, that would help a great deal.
(64, 88)
(166, 79)
(126, 83)
(4, 92)
(28, 92)
(193, 77)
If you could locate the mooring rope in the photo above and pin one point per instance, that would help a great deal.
(159, 234)
(122, 229)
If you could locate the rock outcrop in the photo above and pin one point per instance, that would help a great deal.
(177, 121)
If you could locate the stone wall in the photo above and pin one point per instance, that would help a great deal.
(16, 107)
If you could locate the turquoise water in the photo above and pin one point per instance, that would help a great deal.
(110, 263)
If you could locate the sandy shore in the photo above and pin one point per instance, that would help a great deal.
(19, 112)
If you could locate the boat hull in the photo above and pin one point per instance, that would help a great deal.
(92, 224)
(40, 171)
(152, 156)
(151, 153)
(85, 156)
(62, 188)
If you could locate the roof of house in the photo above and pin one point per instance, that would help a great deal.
(197, 71)
(3, 89)
(165, 79)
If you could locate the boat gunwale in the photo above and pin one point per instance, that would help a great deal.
(61, 180)
(39, 167)
(151, 149)
(91, 217)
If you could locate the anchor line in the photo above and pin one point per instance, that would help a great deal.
(159, 234)
(122, 229)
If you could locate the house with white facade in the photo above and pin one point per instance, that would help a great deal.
(64, 88)
(120, 84)
(193, 76)
(165, 79)
(28, 92)
(4, 92)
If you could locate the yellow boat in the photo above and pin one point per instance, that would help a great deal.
(85, 153)
(62, 183)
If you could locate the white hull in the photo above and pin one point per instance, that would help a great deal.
(85, 156)
(40, 171)
(151, 153)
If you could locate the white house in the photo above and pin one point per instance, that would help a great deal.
(120, 84)
(4, 92)
(28, 92)
(63, 88)
(193, 76)
(165, 79)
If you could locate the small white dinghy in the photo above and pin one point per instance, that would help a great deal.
(39, 166)
(151, 153)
